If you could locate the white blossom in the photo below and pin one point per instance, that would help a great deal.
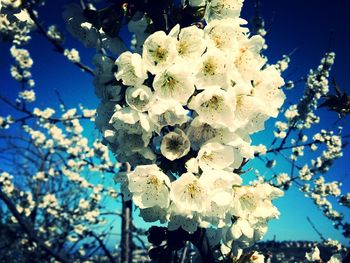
(215, 107)
(215, 156)
(159, 50)
(130, 69)
(174, 83)
(175, 145)
(149, 186)
(139, 98)
(189, 194)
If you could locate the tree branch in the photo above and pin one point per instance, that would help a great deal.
(28, 228)
(104, 248)
(56, 44)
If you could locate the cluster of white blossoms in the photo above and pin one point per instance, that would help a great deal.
(54, 34)
(72, 55)
(86, 32)
(302, 115)
(23, 62)
(309, 176)
(20, 71)
(63, 165)
(315, 256)
(15, 22)
(182, 114)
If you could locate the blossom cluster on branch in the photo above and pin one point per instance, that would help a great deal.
(182, 114)
(48, 172)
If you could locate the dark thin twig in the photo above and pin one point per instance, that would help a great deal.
(278, 149)
(59, 97)
(104, 248)
(135, 235)
(31, 115)
(316, 230)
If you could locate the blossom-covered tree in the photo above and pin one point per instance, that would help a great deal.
(181, 95)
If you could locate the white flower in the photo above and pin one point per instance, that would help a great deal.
(132, 134)
(248, 60)
(219, 9)
(47, 113)
(241, 227)
(190, 44)
(215, 107)
(169, 112)
(130, 69)
(224, 34)
(159, 50)
(54, 34)
(79, 229)
(149, 186)
(313, 255)
(267, 89)
(221, 180)
(133, 148)
(215, 156)
(256, 123)
(192, 166)
(139, 97)
(243, 233)
(282, 179)
(246, 107)
(22, 57)
(188, 194)
(211, 89)
(174, 83)
(28, 95)
(255, 201)
(175, 145)
(131, 120)
(201, 132)
(72, 55)
(220, 194)
(212, 70)
(40, 176)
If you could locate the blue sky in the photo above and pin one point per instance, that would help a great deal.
(300, 24)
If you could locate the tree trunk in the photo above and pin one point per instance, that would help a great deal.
(126, 237)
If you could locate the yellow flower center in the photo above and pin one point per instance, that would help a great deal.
(209, 67)
(215, 103)
(154, 181)
(160, 54)
(192, 189)
(182, 47)
(208, 156)
(170, 82)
